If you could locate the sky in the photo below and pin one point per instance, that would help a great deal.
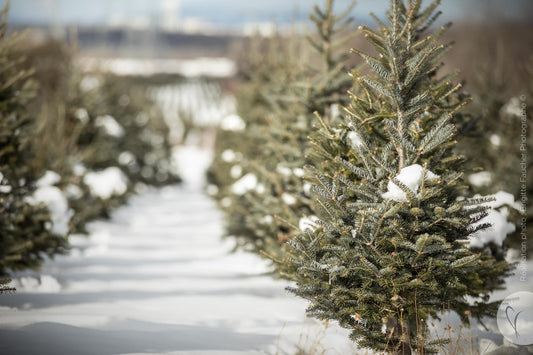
(232, 12)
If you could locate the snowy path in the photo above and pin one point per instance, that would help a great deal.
(157, 279)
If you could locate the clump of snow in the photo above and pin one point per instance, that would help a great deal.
(513, 107)
(126, 158)
(495, 140)
(283, 170)
(299, 172)
(89, 83)
(211, 190)
(288, 198)
(308, 223)
(106, 183)
(79, 169)
(246, 183)
(268, 219)
(497, 217)
(410, 176)
(82, 115)
(228, 156)
(236, 171)
(334, 110)
(4, 188)
(232, 123)
(307, 187)
(73, 191)
(110, 125)
(225, 202)
(354, 139)
(48, 179)
(483, 178)
(57, 205)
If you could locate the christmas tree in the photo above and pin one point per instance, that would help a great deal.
(267, 71)
(391, 246)
(261, 217)
(26, 232)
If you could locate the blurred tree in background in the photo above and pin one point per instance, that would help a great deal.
(304, 76)
(25, 228)
(74, 146)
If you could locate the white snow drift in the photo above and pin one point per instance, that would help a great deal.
(106, 183)
(55, 201)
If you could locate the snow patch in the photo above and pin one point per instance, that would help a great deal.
(89, 83)
(299, 172)
(236, 171)
(246, 183)
(232, 123)
(410, 176)
(513, 107)
(334, 110)
(73, 191)
(55, 202)
(106, 183)
(126, 158)
(43, 284)
(354, 139)
(228, 156)
(79, 169)
(283, 170)
(220, 67)
(110, 126)
(495, 140)
(82, 115)
(500, 227)
(307, 187)
(308, 223)
(211, 189)
(288, 198)
(48, 179)
(483, 178)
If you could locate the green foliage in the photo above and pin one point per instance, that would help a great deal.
(388, 252)
(97, 121)
(279, 108)
(73, 124)
(494, 143)
(25, 234)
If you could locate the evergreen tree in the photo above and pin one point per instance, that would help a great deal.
(290, 103)
(391, 248)
(97, 121)
(268, 68)
(493, 143)
(24, 228)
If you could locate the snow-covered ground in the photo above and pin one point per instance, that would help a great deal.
(219, 67)
(199, 100)
(158, 279)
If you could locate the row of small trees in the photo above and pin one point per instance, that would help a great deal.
(73, 146)
(351, 181)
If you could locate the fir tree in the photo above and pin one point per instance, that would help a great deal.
(296, 92)
(268, 69)
(391, 246)
(24, 228)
